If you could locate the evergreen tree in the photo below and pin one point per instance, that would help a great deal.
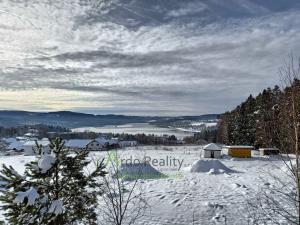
(55, 189)
(255, 121)
(222, 131)
(267, 117)
(239, 124)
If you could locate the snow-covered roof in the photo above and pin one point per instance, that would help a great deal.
(113, 141)
(78, 143)
(16, 145)
(212, 147)
(239, 146)
(102, 141)
(30, 135)
(44, 143)
(268, 149)
(22, 138)
(9, 140)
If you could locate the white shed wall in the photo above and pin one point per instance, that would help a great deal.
(208, 154)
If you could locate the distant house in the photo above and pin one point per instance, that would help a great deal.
(124, 144)
(30, 146)
(31, 135)
(16, 146)
(113, 143)
(9, 140)
(21, 138)
(85, 144)
(212, 151)
(239, 151)
(109, 143)
(104, 142)
(268, 151)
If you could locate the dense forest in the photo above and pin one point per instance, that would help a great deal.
(261, 121)
(203, 137)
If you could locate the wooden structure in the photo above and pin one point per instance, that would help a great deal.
(239, 151)
(268, 151)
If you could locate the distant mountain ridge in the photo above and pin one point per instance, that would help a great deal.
(70, 119)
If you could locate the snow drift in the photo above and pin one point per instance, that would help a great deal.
(138, 171)
(210, 167)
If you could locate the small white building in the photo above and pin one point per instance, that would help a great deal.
(95, 146)
(31, 135)
(9, 140)
(124, 144)
(84, 144)
(113, 142)
(108, 143)
(268, 151)
(24, 138)
(212, 151)
(30, 147)
(104, 142)
(15, 146)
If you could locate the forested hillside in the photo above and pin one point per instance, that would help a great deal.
(263, 120)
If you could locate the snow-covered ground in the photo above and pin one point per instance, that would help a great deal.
(183, 197)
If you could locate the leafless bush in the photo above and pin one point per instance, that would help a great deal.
(124, 201)
(279, 203)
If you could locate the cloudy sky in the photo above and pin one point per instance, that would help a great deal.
(142, 57)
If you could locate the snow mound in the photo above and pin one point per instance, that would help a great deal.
(139, 171)
(209, 167)
(212, 146)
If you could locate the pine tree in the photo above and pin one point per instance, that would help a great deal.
(222, 132)
(267, 117)
(255, 121)
(55, 189)
(244, 129)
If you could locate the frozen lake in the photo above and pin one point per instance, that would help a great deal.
(137, 128)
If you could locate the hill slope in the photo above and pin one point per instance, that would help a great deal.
(73, 120)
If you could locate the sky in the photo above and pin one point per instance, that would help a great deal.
(142, 57)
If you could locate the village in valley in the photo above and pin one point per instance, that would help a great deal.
(183, 183)
(25, 145)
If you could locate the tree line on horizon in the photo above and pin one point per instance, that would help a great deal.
(43, 130)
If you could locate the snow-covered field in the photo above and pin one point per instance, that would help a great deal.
(184, 197)
(207, 124)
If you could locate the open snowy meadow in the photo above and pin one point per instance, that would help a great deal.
(211, 191)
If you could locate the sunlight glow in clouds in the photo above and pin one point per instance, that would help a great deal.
(143, 57)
